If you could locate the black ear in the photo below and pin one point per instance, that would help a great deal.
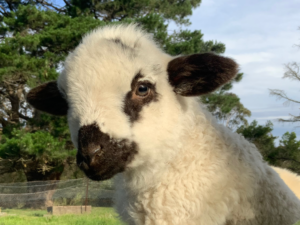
(200, 74)
(47, 98)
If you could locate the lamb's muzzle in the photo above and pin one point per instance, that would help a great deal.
(100, 156)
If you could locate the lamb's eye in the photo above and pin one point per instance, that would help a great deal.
(142, 90)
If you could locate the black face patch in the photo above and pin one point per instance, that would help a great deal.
(101, 157)
(134, 103)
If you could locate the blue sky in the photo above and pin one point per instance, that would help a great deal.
(261, 37)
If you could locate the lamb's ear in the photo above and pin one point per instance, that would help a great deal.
(47, 98)
(200, 74)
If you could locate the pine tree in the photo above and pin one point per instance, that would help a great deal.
(286, 155)
(261, 136)
(226, 106)
(34, 43)
(118, 10)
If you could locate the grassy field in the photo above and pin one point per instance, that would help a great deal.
(99, 216)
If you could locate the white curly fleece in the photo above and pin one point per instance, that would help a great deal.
(189, 170)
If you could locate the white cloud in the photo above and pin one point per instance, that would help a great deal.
(254, 57)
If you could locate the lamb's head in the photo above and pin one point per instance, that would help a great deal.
(124, 98)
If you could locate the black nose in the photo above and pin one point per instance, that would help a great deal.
(89, 138)
(101, 156)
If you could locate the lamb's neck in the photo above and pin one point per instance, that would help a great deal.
(201, 140)
(150, 174)
(145, 177)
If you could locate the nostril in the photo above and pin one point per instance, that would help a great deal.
(89, 139)
(80, 159)
(81, 162)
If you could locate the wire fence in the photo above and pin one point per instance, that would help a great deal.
(42, 194)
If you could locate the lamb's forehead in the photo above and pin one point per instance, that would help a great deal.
(130, 35)
(113, 55)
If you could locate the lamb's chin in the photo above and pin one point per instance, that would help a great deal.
(98, 170)
(98, 176)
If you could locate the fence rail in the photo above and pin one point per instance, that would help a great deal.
(43, 194)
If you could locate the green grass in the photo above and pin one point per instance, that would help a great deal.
(98, 216)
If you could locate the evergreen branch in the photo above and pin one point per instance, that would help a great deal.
(5, 122)
(45, 4)
(46, 8)
(9, 165)
(8, 83)
(67, 3)
(9, 5)
(287, 159)
(2, 115)
(23, 116)
(95, 13)
(5, 109)
(101, 16)
(2, 93)
(122, 17)
(4, 11)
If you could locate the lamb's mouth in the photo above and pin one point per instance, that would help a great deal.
(101, 157)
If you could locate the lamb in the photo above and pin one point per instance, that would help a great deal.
(291, 179)
(134, 115)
